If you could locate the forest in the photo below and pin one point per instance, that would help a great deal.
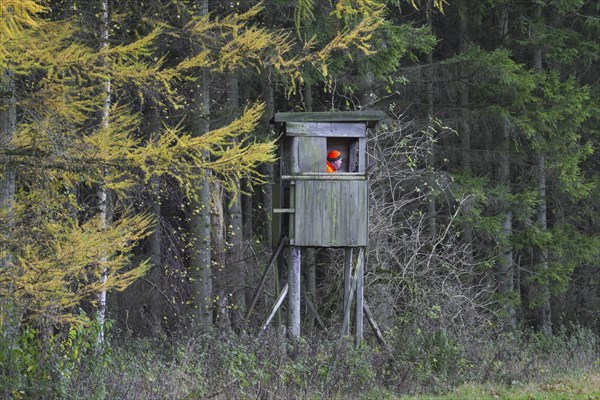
(137, 162)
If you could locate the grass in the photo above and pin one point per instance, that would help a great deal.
(575, 387)
(227, 366)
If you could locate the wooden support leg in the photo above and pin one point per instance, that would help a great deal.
(359, 296)
(264, 277)
(275, 307)
(310, 279)
(375, 328)
(348, 305)
(347, 284)
(294, 294)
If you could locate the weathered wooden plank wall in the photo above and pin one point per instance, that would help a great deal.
(312, 154)
(333, 213)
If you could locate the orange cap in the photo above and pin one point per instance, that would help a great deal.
(334, 155)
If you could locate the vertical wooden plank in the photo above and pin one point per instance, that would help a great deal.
(342, 205)
(340, 233)
(318, 220)
(365, 214)
(335, 215)
(361, 213)
(294, 293)
(276, 219)
(350, 230)
(294, 156)
(359, 296)
(312, 154)
(353, 214)
(305, 227)
(362, 152)
(352, 159)
(347, 281)
(292, 216)
(309, 218)
(326, 213)
(349, 213)
(299, 211)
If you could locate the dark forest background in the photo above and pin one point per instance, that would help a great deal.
(136, 170)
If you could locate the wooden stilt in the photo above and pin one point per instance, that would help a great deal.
(313, 309)
(279, 280)
(359, 296)
(347, 284)
(264, 277)
(348, 306)
(375, 327)
(294, 294)
(275, 307)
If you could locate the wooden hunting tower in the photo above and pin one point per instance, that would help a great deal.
(313, 208)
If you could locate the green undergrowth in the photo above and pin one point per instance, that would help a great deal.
(218, 365)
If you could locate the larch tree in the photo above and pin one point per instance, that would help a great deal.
(62, 259)
(15, 18)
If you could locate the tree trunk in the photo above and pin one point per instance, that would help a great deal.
(155, 240)
(223, 322)
(236, 262)
(8, 127)
(200, 217)
(104, 204)
(200, 255)
(541, 254)
(465, 130)
(431, 208)
(268, 168)
(505, 265)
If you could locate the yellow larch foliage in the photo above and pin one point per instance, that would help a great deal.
(54, 275)
(182, 155)
(58, 260)
(16, 15)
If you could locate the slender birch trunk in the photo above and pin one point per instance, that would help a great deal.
(103, 193)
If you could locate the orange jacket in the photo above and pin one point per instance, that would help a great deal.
(329, 167)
